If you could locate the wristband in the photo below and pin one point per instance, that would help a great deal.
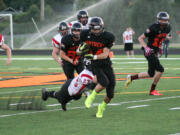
(95, 57)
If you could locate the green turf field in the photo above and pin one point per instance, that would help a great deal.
(131, 112)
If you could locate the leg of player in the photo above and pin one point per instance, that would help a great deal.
(92, 96)
(153, 86)
(130, 78)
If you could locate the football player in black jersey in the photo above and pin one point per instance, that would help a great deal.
(156, 34)
(100, 43)
(70, 43)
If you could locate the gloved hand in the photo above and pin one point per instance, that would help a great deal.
(89, 56)
(83, 49)
(148, 51)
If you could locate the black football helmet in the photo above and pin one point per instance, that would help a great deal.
(82, 14)
(76, 27)
(163, 16)
(63, 28)
(87, 64)
(96, 23)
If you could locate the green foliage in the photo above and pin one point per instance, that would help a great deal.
(48, 11)
(2, 5)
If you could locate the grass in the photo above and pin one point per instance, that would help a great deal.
(155, 118)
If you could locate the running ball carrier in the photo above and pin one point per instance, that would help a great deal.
(156, 34)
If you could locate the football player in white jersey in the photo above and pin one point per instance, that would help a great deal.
(128, 41)
(83, 18)
(72, 88)
(56, 41)
(6, 48)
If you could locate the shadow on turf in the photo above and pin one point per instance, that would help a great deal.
(24, 102)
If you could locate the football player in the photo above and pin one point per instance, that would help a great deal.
(72, 88)
(83, 18)
(100, 42)
(70, 42)
(156, 34)
(56, 40)
(6, 48)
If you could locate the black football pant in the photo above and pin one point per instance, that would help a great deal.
(69, 68)
(106, 77)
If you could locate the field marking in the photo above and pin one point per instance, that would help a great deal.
(117, 93)
(48, 58)
(20, 103)
(137, 106)
(82, 107)
(175, 108)
(175, 134)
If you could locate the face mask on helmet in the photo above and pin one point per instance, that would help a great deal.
(163, 18)
(87, 64)
(82, 17)
(63, 28)
(96, 26)
(76, 29)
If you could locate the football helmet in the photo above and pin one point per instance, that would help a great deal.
(82, 14)
(96, 25)
(76, 27)
(63, 28)
(87, 63)
(163, 18)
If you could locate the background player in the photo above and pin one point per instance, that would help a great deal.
(156, 34)
(83, 18)
(100, 42)
(56, 40)
(73, 88)
(6, 48)
(128, 41)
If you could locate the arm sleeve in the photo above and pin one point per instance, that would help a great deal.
(110, 41)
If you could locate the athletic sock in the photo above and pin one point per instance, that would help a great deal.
(134, 77)
(51, 94)
(103, 104)
(153, 86)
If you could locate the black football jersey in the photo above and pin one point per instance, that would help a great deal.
(156, 35)
(98, 43)
(69, 46)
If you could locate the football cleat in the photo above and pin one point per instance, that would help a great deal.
(128, 81)
(155, 93)
(89, 101)
(44, 94)
(100, 111)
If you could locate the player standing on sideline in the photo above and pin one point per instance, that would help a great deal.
(100, 42)
(6, 48)
(56, 40)
(69, 44)
(166, 44)
(128, 41)
(156, 34)
(82, 17)
(72, 88)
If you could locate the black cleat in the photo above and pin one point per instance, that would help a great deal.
(63, 106)
(44, 94)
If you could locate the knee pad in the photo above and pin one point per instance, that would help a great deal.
(103, 81)
(160, 69)
(151, 73)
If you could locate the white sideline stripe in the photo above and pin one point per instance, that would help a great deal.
(175, 108)
(52, 105)
(137, 106)
(112, 58)
(25, 90)
(175, 134)
(82, 107)
(20, 103)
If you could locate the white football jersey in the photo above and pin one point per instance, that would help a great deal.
(84, 27)
(79, 83)
(128, 37)
(56, 41)
(1, 39)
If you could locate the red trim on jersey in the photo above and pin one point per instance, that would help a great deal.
(70, 24)
(83, 86)
(1, 37)
(86, 75)
(56, 42)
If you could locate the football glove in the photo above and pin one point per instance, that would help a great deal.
(89, 56)
(148, 51)
(83, 49)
